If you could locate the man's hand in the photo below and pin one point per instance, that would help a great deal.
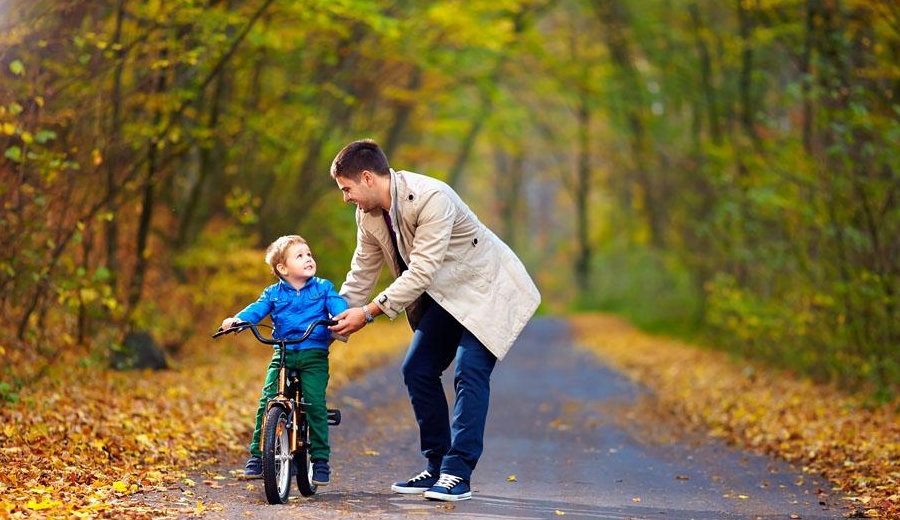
(349, 321)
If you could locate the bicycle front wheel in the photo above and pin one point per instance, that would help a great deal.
(302, 460)
(276, 459)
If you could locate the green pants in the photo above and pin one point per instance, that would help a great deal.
(313, 366)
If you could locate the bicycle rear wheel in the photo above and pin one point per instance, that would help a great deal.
(276, 459)
(302, 460)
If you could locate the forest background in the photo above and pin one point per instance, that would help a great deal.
(726, 170)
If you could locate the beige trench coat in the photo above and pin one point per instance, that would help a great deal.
(450, 255)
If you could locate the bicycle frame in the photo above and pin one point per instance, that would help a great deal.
(281, 398)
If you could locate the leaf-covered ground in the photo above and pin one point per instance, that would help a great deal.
(83, 439)
(819, 428)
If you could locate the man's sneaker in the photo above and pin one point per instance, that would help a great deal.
(449, 489)
(253, 469)
(321, 473)
(418, 484)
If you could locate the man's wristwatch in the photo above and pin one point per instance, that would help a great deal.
(369, 318)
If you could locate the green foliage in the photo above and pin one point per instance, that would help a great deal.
(728, 165)
(7, 393)
(776, 188)
(652, 289)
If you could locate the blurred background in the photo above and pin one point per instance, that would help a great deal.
(727, 171)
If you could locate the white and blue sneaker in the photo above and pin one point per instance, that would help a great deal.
(449, 489)
(416, 485)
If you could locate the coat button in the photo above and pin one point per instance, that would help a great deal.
(410, 196)
(474, 242)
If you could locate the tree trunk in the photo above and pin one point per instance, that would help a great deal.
(402, 112)
(485, 99)
(510, 172)
(582, 198)
(613, 16)
(706, 86)
(147, 207)
(113, 153)
(745, 82)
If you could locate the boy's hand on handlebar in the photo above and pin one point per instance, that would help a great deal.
(349, 321)
(227, 323)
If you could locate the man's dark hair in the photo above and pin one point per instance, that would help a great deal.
(357, 156)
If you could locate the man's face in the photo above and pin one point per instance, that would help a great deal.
(361, 192)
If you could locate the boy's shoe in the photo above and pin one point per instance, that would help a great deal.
(321, 473)
(418, 484)
(253, 469)
(449, 489)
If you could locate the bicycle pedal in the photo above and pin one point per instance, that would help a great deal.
(334, 417)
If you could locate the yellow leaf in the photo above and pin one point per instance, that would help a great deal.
(9, 128)
(559, 513)
(120, 486)
(45, 503)
(511, 478)
(371, 453)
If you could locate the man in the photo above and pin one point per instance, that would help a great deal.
(466, 295)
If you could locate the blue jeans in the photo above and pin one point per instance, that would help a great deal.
(438, 339)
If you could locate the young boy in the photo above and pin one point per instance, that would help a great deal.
(298, 299)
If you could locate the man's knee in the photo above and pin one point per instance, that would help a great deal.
(412, 373)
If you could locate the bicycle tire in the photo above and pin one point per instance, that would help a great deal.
(301, 459)
(276, 459)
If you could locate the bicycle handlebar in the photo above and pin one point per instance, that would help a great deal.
(241, 325)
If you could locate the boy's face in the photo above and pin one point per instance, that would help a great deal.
(299, 265)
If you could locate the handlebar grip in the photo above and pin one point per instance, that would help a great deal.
(237, 327)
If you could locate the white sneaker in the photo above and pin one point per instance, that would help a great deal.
(418, 484)
(449, 488)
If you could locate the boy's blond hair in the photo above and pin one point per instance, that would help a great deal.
(276, 253)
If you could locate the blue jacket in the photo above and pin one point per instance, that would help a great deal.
(292, 310)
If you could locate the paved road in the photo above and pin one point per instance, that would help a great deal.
(566, 437)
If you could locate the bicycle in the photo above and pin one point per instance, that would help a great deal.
(285, 433)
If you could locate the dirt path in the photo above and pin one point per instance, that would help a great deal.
(566, 437)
